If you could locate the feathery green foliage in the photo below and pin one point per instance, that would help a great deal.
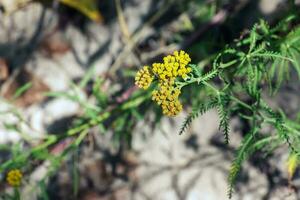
(245, 71)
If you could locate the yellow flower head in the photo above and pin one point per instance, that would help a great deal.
(167, 98)
(182, 58)
(167, 94)
(144, 78)
(14, 177)
(173, 66)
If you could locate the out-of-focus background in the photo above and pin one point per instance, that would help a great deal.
(51, 52)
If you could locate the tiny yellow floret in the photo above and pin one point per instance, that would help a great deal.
(14, 177)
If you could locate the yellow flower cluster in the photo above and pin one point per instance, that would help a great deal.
(173, 66)
(167, 98)
(14, 178)
(167, 95)
(144, 78)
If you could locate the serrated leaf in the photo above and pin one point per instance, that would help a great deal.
(241, 155)
(199, 110)
(223, 113)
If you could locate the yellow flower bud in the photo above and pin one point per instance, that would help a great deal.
(14, 178)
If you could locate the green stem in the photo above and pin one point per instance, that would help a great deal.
(52, 139)
(225, 65)
(198, 80)
(212, 87)
(240, 102)
(231, 97)
(16, 194)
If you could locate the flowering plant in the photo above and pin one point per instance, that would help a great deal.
(243, 76)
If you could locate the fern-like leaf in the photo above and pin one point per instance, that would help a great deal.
(253, 38)
(242, 153)
(224, 116)
(283, 133)
(279, 125)
(208, 76)
(272, 55)
(199, 110)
